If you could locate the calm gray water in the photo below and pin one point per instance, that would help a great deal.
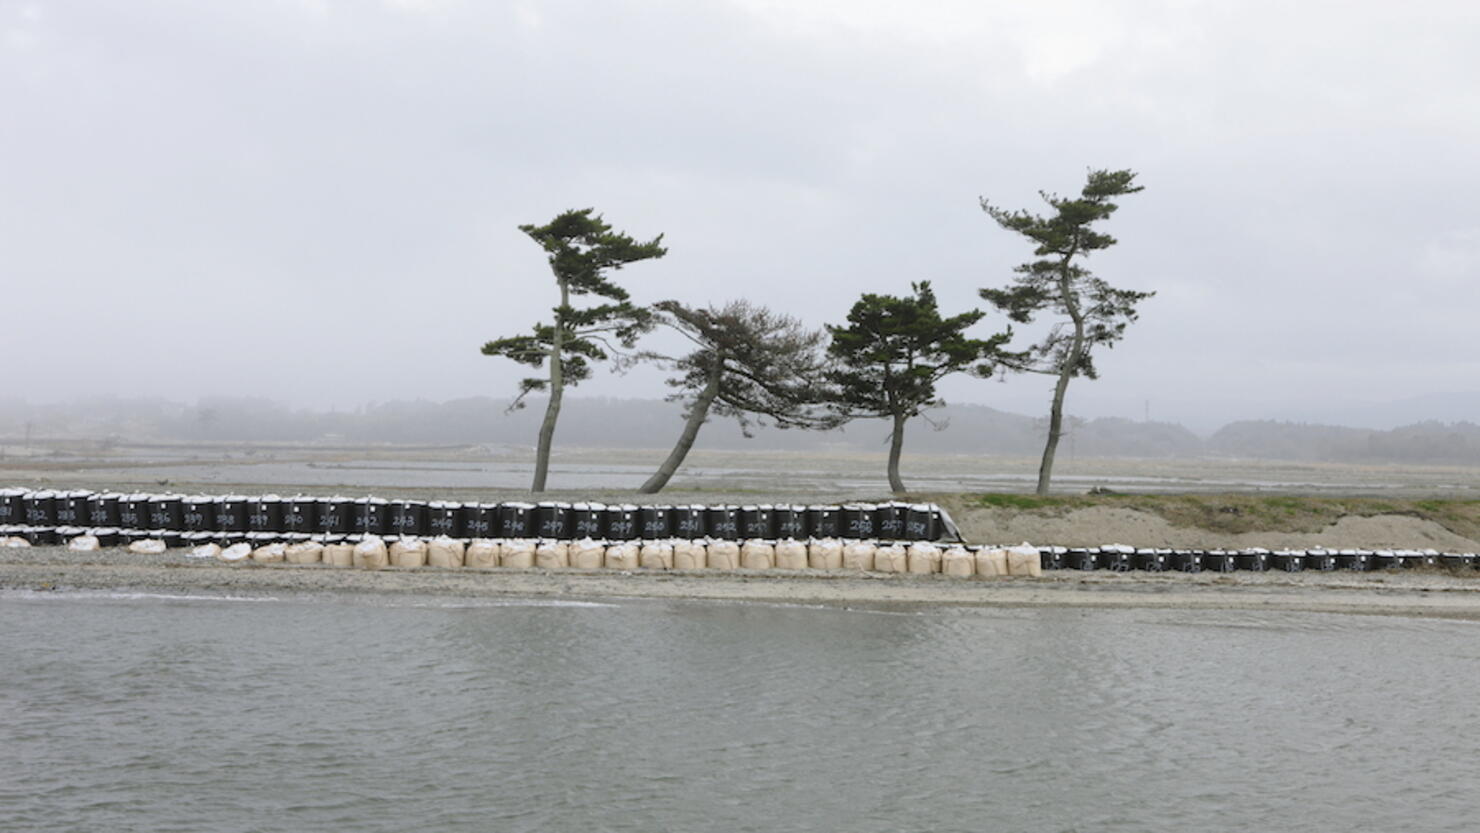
(120, 712)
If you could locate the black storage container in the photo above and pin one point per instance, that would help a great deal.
(921, 522)
(479, 520)
(1118, 559)
(42, 536)
(1457, 560)
(1052, 558)
(1323, 560)
(1385, 560)
(198, 513)
(758, 521)
(133, 511)
(824, 521)
(231, 514)
(41, 508)
(1154, 561)
(72, 508)
(1080, 558)
(1220, 561)
(516, 520)
(410, 517)
(655, 521)
(166, 512)
(172, 538)
(1354, 560)
(301, 514)
(129, 536)
(336, 515)
(723, 522)
(621, 522)
(102, 509)
(553, 520)
(588, 520)
(789, 521)
(65, 534)
(858, 520)
(1289, 560)
(1188, 561)
(1257, 560)
(688, 521)
(889, 521)
(108, 536)
(265, 514)
(199, 537)
(12, 507)
(372, 516)
(445, 517)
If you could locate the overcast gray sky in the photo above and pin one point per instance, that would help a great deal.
(316, 201)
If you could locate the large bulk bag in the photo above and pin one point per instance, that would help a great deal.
(957, 561)
(151, 546)
(409, 552)
(826, 554)
(443, 551)
(622, 557)
(587, 554)
(14, 542)
(724, 555)
(923, 557)
(991, 561)
(236, 553)
(84, 543)
(305, 552)
(206, 550)
(757, 555)
(552, 555)
(891, 558)
(1024, 560)
(270, 553)
(791, 555)
(859, 555)
(656, 555)
(371, 554)
(689, 555)
(482, 553)
(518, 553)
(339, 555)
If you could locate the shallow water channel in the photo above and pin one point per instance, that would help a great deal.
(146, 712)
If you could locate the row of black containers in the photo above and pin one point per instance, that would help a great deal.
(378, 516)
(1118, 558)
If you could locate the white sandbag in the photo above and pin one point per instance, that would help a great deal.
(206, 551)
(270, 553)
(371, 554)
(84, 543)
(151, 546)
(339, 555)
(1024, 560)
(622, 557)
(689, 555)
(236, 553)
(552, 555)
(482, 553)
(445, 552)
(923, 557)
(826, 554)
(958, 561)
(757, 555)
(724, 555)
(656, 555)
(409, 552)
(587, 554)
(14, 542)
(991, 561)
(518, 554)
(891, 558)
(859, 555)
(304, 552)
(791, 555)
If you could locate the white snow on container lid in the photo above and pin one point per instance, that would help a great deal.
(520, 505)
(625, 507)
(234, 498)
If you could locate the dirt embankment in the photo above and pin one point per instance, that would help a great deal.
(1218, 521)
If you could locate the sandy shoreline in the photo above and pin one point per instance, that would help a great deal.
(1408, 593)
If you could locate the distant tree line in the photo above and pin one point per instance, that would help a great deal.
(761, 367)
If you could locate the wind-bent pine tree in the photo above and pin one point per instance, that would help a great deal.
(582, 249)
(749, 363)
(1097, 312)
(893, 351)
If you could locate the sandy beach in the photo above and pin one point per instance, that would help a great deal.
(1407, 593)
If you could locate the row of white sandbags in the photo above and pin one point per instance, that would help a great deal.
(825, 554)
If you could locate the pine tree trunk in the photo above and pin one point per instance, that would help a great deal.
(557, 392)
(896, 444)
(698, 412)
(1071, 363)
